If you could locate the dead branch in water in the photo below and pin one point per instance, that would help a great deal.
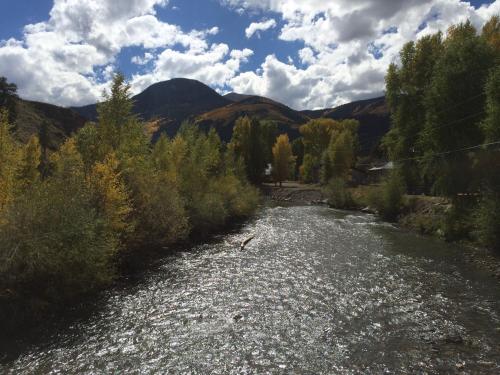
(244, 243)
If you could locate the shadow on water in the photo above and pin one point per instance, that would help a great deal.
(136, 271)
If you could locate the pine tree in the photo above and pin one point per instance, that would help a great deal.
(8, 99)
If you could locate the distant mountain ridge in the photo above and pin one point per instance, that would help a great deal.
(62, 122)
(169, 103)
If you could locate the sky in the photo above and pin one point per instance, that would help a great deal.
(307, 54)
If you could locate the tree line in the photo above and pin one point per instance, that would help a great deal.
(68, 217)
(444, 96)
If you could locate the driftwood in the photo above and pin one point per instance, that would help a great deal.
(244, 243)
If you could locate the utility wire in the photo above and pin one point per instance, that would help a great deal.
(442, 153)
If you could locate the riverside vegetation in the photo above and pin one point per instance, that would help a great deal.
(444, 97)
(69, 217)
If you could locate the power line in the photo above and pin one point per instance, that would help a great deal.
(442, 153)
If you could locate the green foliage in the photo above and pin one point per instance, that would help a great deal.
(298, 151)
(388, 198)
(269, 133)
(487, 220)
(308, 169)
(338, 195)
(459, 76)
(8, 97)
(247, 143)
(209, 183)
(88, 143)
(406, 89)
(491, 125)
(29, 172)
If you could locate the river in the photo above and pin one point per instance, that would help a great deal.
(317, 291)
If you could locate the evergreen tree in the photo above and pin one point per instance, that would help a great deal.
(8, 98)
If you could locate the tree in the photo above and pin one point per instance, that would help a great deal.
(269, 133)
(247, 145)
(406, 89)
(491, 124)
(119, 129)
(491, 33)
(316, 135)
(111, 196)
(283, 159)
(340, 157)
(459, 77)
(9, 161)
(29, 172)
(8, 98)
(88, 144)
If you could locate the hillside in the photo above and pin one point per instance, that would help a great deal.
(235, 97)
(62, 122)
(171, 101)
(165, 105)
(223, 119)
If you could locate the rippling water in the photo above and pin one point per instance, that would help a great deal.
(316, 292)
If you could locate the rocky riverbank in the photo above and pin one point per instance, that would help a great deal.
(294, 193)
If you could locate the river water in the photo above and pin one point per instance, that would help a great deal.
(317, 291)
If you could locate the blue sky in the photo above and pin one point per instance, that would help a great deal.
(305, 53)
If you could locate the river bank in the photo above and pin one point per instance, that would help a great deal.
(294, 193)
(423, 215)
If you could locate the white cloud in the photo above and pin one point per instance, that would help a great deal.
(69, 59)
(256, 27)
(138, 60)
(348, 45)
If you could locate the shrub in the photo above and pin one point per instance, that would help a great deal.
(338, 195)
(388, 198)
(54, 242)
(487, 222)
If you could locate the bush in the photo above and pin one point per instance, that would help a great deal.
(54, 243)
(158, 210)
(388, 198)
(338, 195)
(487, 222)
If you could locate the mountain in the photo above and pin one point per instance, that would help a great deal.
(165, 105)
(223, 118)
(235, 97)
(373, 116)
(62, 122)
(172, 101)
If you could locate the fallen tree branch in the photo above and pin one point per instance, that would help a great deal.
(244, 243)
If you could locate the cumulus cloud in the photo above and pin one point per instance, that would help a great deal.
(69, 59)
(256, 27)
(348, 45)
